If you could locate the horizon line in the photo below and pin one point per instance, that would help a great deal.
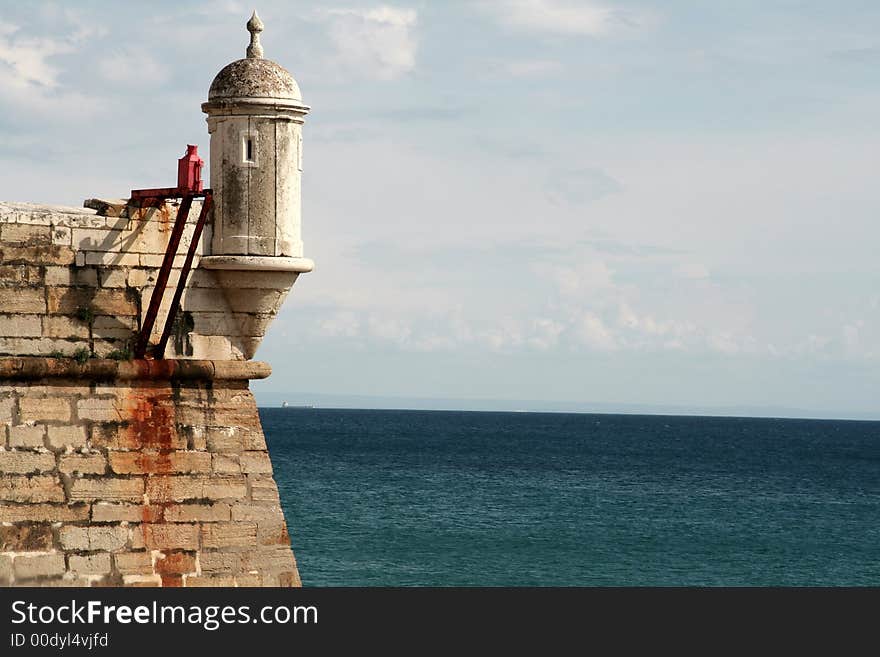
(709, 412)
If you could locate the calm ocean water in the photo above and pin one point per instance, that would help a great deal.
(463, 498)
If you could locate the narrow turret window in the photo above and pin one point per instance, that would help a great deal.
(250, 146)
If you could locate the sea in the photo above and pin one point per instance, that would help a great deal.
(437, 498)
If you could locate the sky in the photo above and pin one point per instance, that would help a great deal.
(568, 203)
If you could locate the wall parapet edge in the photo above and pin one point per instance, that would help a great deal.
(105, 369)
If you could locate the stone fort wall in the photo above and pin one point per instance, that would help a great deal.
(74, 279)
(126, 472)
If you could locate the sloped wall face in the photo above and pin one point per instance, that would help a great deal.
(138, 482)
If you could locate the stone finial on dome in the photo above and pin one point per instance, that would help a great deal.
(255, 26)
(254, 80)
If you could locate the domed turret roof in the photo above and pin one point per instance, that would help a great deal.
(254, 77)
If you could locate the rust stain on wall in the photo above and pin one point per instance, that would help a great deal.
(152, 427)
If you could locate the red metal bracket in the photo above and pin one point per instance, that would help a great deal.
(159, 351)
(189, 186)
(140, 349)
(189, 179)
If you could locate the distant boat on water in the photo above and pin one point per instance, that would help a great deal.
(285, 404)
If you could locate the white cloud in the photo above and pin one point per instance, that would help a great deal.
(378, 43)
(341, 324)
(26, 58)
(560, 17)
(593, 332)
(506, 334)
(30, 81)
(577, 280)
(117, 67)
(545, 333)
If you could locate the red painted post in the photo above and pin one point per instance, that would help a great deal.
(162, 280)
(189, 170)
(159, 351)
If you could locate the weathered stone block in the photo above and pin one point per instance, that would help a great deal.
(226, 464)
(175, 536)
(99, 409)
(37, 255)
(6, 571)
(142, 581)
(263, 489)
(155, 260)
(7, 408)
(26, 538)
(69, 300)
(27, 435)
(107, 489)
(37, 566)
(21, 326)
(26, 462)
(176, 563)
(183, 487)
(25, 234)
(71, 276)
(115, 323)
(216, 561)
(265, 559)
(39, 346)
(257, 512)
(234, 324)
(223, 439)
(43, 512)
(239, 300)
(82, 464)
(114, 277)
(229, 534)
(104, 512)
(109, 538)
(60, 437)
(109, 259)
(138, 277)
(59, 276)
(133, 563)
(197, 513)
(15, 275)
(34, 488)
(225, 488)
(113, 328)
(289, 578)
(211, 347)
(248, 580)
(273, 533)
(145, 462)
(74, 538)
(92, 564)
(62, 326)
(256, 463)
(61, 235)
(32, 409)
(22, 300)
(147, 239)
